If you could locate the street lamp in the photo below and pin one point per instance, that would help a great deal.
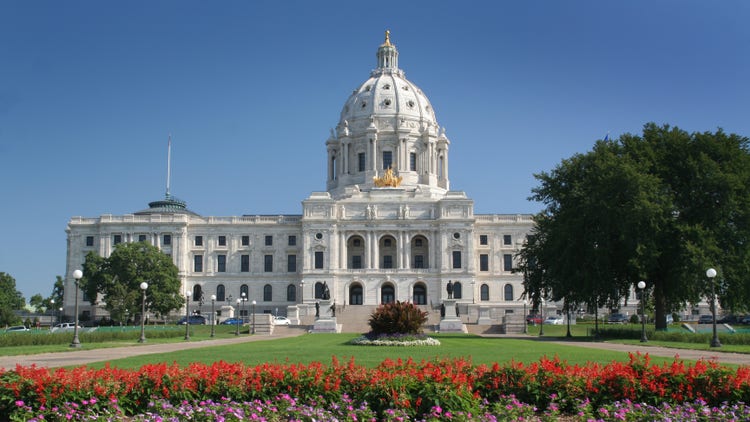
(59, 316)
(302, 291)
(77, 274)
(187, 315)
(525, 322)
(642, 286)
(143, 287)
(213, 314)
(711, 274)
(239, 303)
(52, 306)
(253, 317)
(473, 291)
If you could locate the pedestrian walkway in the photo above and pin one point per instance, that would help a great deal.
(79, 357)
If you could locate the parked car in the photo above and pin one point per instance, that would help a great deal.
(281, 320)
(232, 321)
(705, 319)
(729, 319)
(66, 326)
(618, 319)
(17, 329)
(745, 319)
(193, 320)
(670, 319)
(554, 320)
(533, 319)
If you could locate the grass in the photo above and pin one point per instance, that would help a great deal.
(323, 347)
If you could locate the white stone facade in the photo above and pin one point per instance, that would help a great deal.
(368, 243)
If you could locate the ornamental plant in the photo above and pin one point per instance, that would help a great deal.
(397, 318)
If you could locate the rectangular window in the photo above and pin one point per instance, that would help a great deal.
(292, 240)
(167, 239)
(484, 262)
(357, 262)
(89, 240)
(483, 239)
(291, 263)
(508, 262)
(222, 241)
(198, 240)
(387, 261)
(245, 240)
(269, 240)
(456, 259)
(268, 263)
(413, 161)
(221, 263)
(117, 239)
(318, 260)
(141, 237)
(418, 261)
(387, 159)
(244, 263)
(506, 239)
(198, 263)
(361, 157)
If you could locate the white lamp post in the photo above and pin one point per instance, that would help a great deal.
(302, 291)
(253, 317)
(711, 274)
(239, 311)
(143, 287)
(52, 306)
(77, 274)
(642, 287)
(187, 315)
(213, 314)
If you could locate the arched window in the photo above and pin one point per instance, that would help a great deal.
(318, 290)
(220, 293)
(355, 294)
(457, 290)
(291, 293)
(420, 294)
(484, 292)
(508, 292)
(245, 290)
(197, 293)
(267, 293)
(387, 294)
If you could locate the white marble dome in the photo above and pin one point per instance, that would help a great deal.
(387, 93)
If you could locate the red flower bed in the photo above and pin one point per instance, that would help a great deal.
(454, 385)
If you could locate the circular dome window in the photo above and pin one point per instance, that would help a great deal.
(318, 236)
(456, 235)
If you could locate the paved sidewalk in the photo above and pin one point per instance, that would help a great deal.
(76, 357)
(83, 356)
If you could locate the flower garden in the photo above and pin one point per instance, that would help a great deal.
(448, 389)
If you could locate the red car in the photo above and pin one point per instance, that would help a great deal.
(533, 319)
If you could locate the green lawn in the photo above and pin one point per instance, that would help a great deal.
(323, 347)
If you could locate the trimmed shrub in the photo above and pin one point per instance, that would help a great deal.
(397, 318)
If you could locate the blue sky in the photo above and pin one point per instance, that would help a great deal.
(90, 91)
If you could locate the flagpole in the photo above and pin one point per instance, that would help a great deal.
(169, 161)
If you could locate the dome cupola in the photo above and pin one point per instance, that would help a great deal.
(387, 123)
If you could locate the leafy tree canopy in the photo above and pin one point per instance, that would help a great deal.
(10, 299)
(661, 207)
(116, 280)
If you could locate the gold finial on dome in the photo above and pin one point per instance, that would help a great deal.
(388, 179)
(387, 37)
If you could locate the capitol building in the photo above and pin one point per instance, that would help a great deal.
(387, 228)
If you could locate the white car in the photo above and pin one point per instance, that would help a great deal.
(66, 326)
(16, 329)
(554, 320)
(281, 320)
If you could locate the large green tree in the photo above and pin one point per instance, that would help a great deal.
(10, 299)
(661, 207)
(116, 280)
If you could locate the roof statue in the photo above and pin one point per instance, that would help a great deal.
(388, 179)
